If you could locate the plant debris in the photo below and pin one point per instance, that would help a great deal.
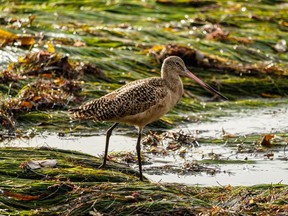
(18, 40)
(266, 140)
(6, 121)
(37, 164)
(171, 140)
(44, 80)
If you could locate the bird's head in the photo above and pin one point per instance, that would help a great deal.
(176, 64)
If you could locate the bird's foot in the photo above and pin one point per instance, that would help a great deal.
(102, 165)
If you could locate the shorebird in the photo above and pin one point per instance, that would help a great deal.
(140, 102)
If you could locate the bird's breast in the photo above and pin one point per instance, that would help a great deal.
(155, 112)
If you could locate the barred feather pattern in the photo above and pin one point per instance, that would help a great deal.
(133, 98)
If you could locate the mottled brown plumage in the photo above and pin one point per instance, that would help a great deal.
(131, 99)
(140, 102)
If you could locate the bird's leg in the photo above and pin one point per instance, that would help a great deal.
(138, 149)
(108, 134)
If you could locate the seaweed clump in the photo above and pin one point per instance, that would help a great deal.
(40, 81)
(196, 58)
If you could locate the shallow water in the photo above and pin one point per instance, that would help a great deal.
(255, 121)
(246, 121)
(263, 171)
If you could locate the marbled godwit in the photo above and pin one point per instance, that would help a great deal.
(140, 102)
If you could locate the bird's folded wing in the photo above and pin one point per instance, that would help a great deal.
(131, 99)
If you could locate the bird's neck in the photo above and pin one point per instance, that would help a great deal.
(173, 81)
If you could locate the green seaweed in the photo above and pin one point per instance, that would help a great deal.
(75, 186)
(125, 40)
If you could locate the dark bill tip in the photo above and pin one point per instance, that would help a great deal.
(204, 85)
